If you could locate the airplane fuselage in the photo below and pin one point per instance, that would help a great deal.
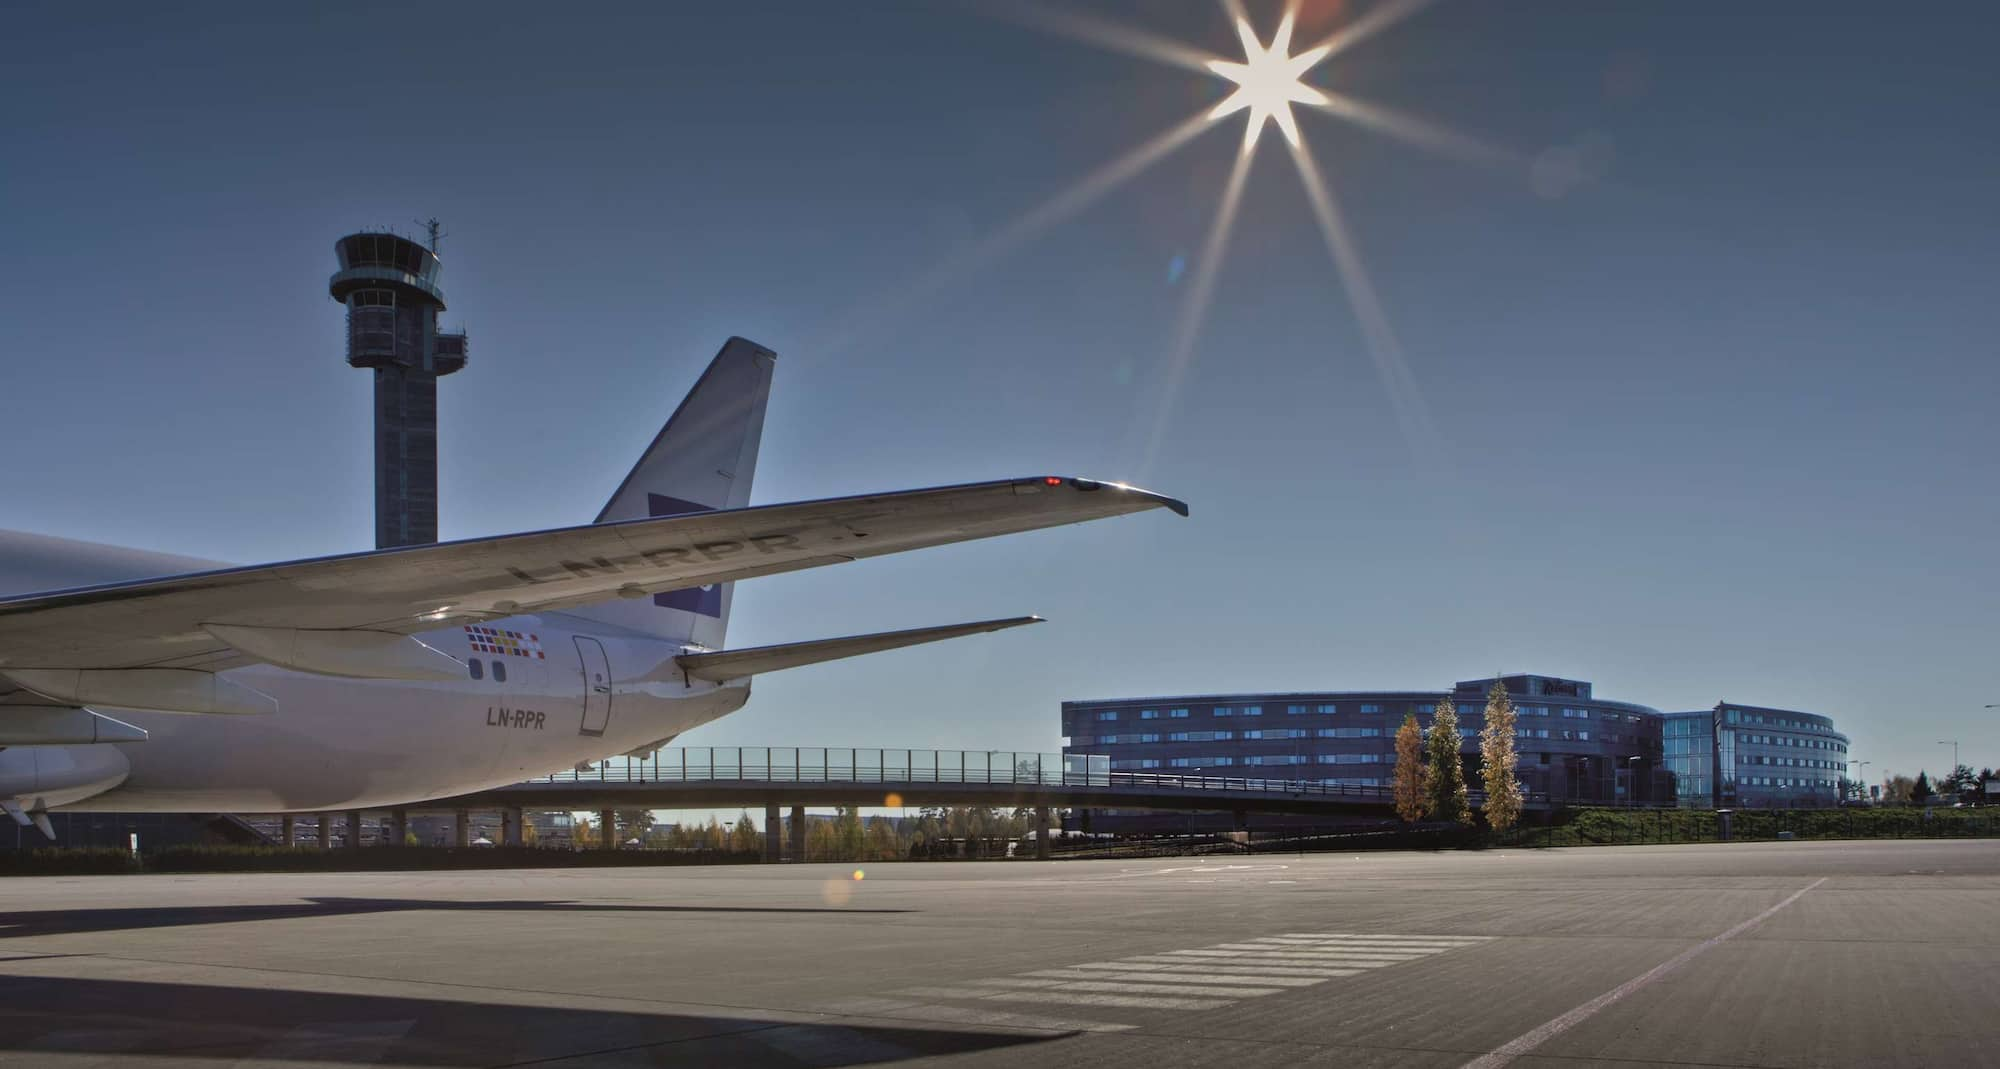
(552, 692)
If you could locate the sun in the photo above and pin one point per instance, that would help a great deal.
(1267, 81)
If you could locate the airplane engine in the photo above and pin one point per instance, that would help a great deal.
(35, 778)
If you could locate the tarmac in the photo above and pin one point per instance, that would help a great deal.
(1766, 954)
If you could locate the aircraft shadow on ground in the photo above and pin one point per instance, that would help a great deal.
(74, 921)
(121, 1019)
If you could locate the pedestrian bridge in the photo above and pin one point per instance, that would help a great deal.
(729, 777)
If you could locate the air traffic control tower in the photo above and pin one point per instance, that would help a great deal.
(390, 287)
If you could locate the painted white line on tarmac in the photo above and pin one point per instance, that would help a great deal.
(1084, 972)
(1319, 951)
(1254, 966)
(1128, 987)
(1286, 959)
(918, 1010)
(1507, 1052)
(1085, 998)
(1379, 935)
(1385, 941)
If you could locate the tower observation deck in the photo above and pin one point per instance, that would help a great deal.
(389, 285)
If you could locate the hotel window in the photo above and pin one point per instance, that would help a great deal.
(1223, 710)
(1326, 708)
(1371, 708)
(1108, 714)
(1253, 710)
(1151, 736)
(1149, 714)
(1177, 714)
(1296, 710)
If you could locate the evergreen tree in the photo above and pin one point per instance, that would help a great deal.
(1446, 786)
(1409, 777)
(1921, 793)
(1496, 747)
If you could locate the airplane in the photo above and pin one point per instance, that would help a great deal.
(139, 682)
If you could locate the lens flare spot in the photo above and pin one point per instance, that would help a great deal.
(892, 800)
(858, 874)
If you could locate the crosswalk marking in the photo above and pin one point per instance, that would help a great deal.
(1198, 978)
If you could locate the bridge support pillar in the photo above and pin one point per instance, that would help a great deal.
(461, 828)
(399, 826)
(354, 829)
(607, 829)
(326, 831)
(1041, 833)
(510, 826)
(1242, 820)
(287, 833)
(798, 833)
(774, 834)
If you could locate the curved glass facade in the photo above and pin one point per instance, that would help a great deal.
(1570, 745)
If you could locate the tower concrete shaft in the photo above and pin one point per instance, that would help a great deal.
(389, 285)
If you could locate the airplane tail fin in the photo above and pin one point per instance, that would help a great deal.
(702, 460)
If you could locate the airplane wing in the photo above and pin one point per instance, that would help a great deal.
(756, 660)
(60, 638)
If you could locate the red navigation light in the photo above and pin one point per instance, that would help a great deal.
(1052, 480)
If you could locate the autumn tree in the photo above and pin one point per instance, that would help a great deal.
(847, 824)
(1496, 748)
(822, 842)
(884, 843)
(743, 838)
(1410, 777)
(1445, 792)
(632, 824)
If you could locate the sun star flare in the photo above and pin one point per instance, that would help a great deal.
(1268, 80)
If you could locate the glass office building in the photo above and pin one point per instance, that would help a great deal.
(1754, 757)
(1570, 745)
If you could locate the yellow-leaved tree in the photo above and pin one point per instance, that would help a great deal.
(1410, 774)
(1446, 793)
(1496, 749)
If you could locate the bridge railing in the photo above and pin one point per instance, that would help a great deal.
(881, 765)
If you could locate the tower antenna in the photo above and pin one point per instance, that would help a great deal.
(436, 231)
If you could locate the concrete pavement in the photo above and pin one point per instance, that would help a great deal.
(1772, 954)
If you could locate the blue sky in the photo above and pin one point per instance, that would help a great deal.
(1707, 337)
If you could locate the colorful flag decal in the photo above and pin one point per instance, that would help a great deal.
(505, 643)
